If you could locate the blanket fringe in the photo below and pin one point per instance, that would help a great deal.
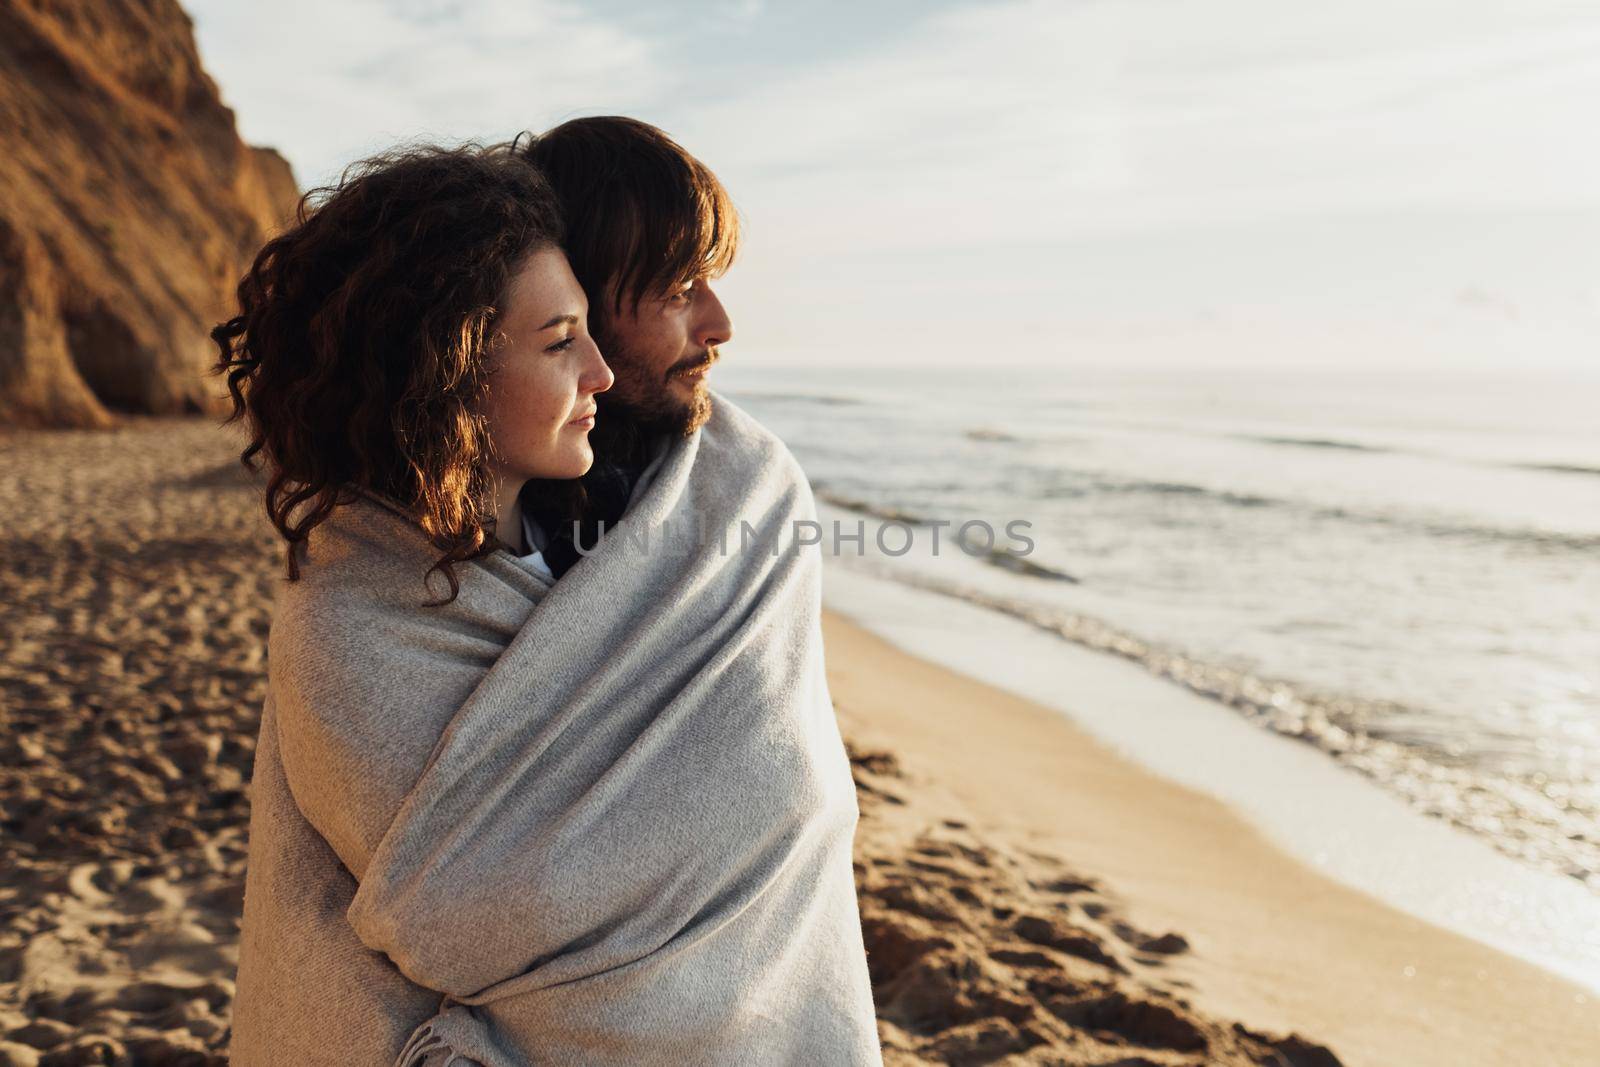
(422, 1044)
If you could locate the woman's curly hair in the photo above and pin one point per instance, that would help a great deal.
(359, 351)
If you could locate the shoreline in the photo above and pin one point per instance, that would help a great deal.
(1320, 811)
(1276, 944)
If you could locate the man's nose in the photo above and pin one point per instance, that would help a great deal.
(713, 327)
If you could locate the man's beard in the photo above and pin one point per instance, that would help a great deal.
(646, 398)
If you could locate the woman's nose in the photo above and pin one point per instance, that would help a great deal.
(597, 376)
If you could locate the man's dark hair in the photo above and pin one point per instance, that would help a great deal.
(643, 216)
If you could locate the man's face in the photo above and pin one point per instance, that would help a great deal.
(660, 352)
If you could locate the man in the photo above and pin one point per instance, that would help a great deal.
(648, 228)
(679, 865)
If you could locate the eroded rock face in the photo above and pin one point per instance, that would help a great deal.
(128, 209)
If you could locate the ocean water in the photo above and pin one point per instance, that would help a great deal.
(1401, 570)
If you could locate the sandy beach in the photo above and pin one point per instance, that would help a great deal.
(1272, 943)
(1027, 895)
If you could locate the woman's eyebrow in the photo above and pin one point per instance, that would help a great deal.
(571, 320)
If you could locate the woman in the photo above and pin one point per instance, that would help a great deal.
(413, 351)
(418, 337)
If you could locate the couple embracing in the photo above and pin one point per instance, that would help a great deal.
(524, 794)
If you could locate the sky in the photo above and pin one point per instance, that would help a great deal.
(1406, 184)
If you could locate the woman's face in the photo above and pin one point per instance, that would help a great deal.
(544, 372)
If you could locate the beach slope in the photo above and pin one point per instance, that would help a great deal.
(1269, 942)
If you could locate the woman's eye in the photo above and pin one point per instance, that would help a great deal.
(562, 345)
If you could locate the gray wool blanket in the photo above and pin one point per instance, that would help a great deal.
(602, 822)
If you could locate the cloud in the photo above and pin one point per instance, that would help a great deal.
(1031, 120)
(329, 82)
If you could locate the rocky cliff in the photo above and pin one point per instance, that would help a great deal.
(128, 209)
